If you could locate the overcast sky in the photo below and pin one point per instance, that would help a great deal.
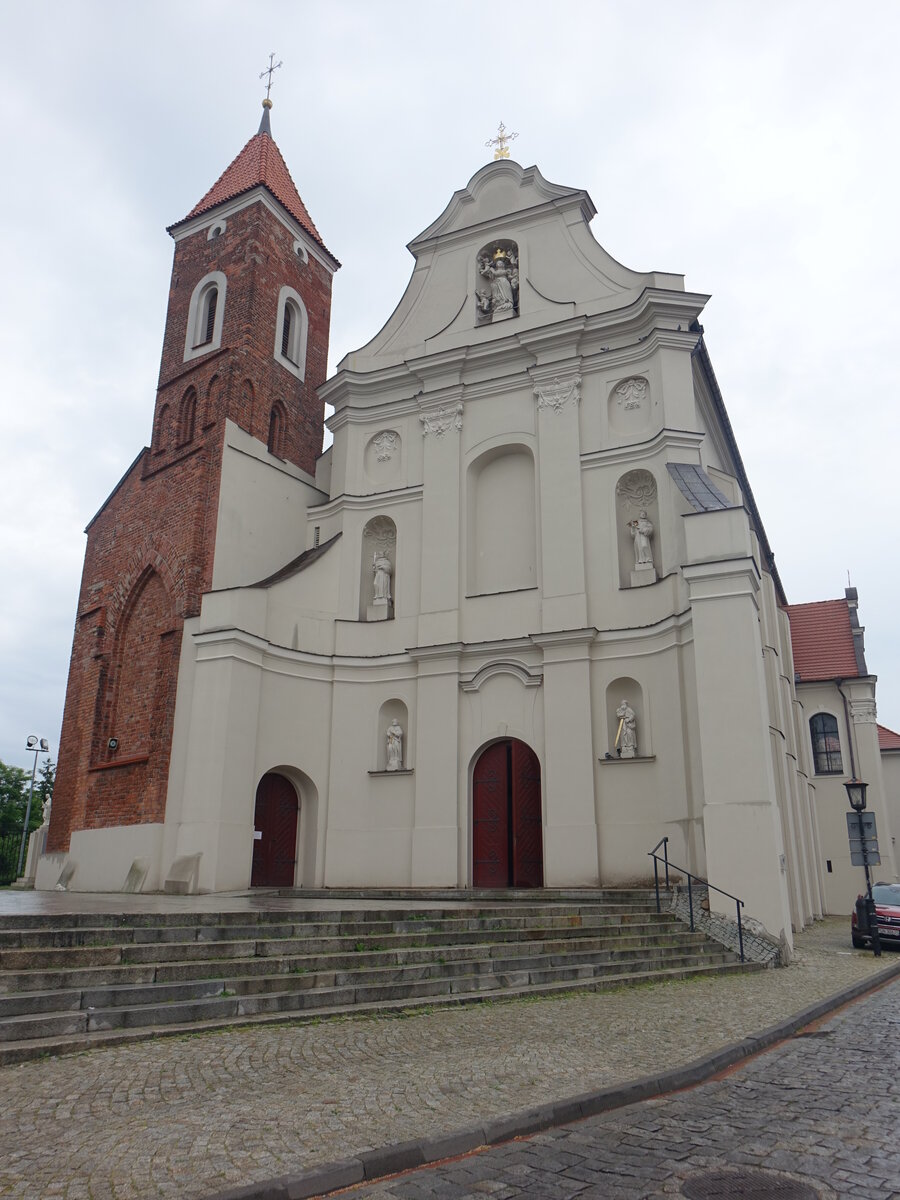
(750, 145)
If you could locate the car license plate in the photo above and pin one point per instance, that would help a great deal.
(889, 931)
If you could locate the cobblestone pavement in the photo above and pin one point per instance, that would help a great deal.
(183, 1117)
(822, 1109)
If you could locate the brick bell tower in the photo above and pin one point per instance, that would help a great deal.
(246, 339)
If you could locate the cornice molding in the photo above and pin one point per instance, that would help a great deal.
(361, 503)
(682, 440)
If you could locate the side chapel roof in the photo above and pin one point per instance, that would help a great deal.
(887, 739)
(823, 640)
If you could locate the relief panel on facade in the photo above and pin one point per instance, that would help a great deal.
(629, 406)
(382, 455)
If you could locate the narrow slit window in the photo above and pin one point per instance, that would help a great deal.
(286, 333)
(211, 302)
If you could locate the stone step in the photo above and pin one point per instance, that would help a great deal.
(161, 1004)
(228, 1003)
(178, 951)
(621, 901)
(25, 1048)
(31, 970)
(103, 935)
(352, 971)
(86, 981)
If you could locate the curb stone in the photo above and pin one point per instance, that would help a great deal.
(402, 1156)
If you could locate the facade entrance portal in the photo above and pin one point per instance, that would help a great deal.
(507, 839)
(275, 832)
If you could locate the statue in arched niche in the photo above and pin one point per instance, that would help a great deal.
(395, 746)
(378, 569)
(383, 571)
(499, 265)
(641, 530)
(626, 734)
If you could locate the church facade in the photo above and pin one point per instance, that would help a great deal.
(518, 623)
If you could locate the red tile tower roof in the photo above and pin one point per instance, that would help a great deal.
(822, 639)
(259, 164)
(887, 739)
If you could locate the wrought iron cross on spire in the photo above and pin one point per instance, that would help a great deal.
(501, 142)
(270, 69)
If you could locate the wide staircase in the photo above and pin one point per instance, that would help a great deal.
(71, 982)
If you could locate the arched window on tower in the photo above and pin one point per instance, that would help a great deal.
(277, 425)
(826, 744)
(205, 313)
(210, 301)
(291, 331)
(187, 416)
(288, 349)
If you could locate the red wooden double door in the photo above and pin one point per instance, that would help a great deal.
(507, 840)
(275, 832)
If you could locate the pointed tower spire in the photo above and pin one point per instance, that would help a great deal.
(259, 164)
(265, 125)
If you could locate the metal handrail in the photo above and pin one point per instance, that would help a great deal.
(691, 878)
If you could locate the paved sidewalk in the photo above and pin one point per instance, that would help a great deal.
(814, 1119)
(185, 1117)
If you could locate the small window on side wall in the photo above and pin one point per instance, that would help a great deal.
(205, 314)
(291, 332)
(826, 744)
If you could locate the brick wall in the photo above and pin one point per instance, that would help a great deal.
(149, 555)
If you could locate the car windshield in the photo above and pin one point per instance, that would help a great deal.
(886, 893)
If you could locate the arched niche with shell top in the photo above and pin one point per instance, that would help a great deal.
(637, 529)
(378, 566)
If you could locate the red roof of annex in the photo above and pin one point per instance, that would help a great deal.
(258, 164)
(822, 640)
(887, 739)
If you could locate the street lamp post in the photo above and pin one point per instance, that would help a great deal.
(856, 793)
(39, 746)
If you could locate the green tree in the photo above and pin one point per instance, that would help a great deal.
(14, 786)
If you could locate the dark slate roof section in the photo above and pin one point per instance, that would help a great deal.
(697, 487)
(298, 564)
(859, 644)
(701, 353)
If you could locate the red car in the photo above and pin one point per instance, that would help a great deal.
(887, 910)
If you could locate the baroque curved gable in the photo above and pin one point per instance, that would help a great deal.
(561, 270)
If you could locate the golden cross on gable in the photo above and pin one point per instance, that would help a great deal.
(270, 69)
(501, 142)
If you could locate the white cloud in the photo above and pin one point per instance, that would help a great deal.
(750, 146)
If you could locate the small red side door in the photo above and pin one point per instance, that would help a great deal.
(275, 823)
